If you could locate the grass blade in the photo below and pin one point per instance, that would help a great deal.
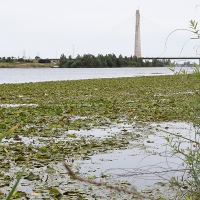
(8, 132)
(16, 184)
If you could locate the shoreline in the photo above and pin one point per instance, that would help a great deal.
(52, 66)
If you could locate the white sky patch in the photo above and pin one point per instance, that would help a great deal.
(49, 28)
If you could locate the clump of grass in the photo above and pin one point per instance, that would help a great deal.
(3, 135)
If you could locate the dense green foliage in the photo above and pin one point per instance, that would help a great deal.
(109, 60)
(149, 98)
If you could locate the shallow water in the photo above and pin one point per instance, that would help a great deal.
(146, 161)
(152, 162)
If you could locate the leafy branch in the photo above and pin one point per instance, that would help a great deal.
(193, 26)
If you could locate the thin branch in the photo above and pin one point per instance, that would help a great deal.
(150, 173)
(133, 191)
(181, 29)
(196, 7)
(183, 47)
(196, 49)
(180, 136)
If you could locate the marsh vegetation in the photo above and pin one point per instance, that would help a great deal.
(75, 120)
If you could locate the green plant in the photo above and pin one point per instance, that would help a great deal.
(10, 194)
(3, 135)
(193, 27)
(189, 183)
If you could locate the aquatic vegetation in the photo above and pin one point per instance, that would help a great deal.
(51, 114)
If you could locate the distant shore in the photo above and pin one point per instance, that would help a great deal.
(26, 65)
(54, 65)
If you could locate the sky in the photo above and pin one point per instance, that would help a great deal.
(49, 28)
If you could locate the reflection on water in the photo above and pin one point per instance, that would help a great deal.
(127, 165)
(151, 163)
(148, 160)
(22, 75)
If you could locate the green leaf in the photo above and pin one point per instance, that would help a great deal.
(167, 139)
(50, 170)
(90, 176)
(55, 193)
(32, 177)
(8, 132)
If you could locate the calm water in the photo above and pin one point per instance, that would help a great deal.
(142, 165)
(22, 75)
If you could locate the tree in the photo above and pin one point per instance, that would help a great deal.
(62, 61)
(109, 60)
(37, 57)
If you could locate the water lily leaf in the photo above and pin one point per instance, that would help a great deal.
(73, 135)
(55, 193)
(32, 177)
(19, 195)
(50, 170)
(91, 176)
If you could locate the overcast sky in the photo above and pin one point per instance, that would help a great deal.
(49, 28)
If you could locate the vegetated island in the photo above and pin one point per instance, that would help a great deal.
(85, 61)
(108, 61)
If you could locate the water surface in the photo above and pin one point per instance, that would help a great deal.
(22, 75)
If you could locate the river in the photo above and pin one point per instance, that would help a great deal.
(23, 75)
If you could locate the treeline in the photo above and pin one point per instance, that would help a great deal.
(109, 60)
(12, 59)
